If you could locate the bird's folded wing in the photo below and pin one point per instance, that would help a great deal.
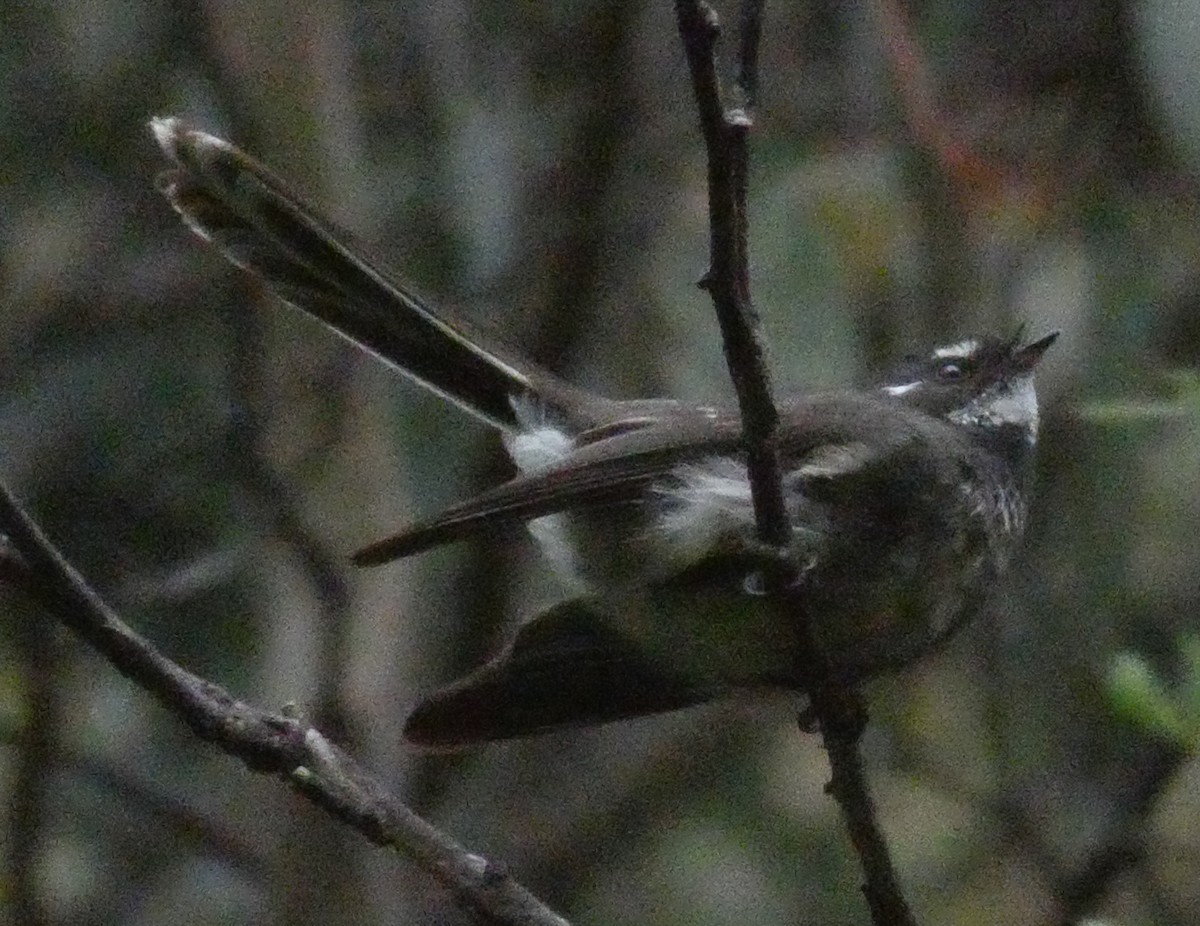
(607, 479)
(622, 467)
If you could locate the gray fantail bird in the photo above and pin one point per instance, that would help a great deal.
(906, 501)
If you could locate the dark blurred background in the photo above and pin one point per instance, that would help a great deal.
(208, 459)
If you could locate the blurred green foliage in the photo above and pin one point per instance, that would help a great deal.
(1142, 697)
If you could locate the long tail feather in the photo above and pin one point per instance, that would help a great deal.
(232, 201)
(564, 669)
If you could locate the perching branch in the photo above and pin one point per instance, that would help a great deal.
(834, 706)
(728, 277)
(283, 744)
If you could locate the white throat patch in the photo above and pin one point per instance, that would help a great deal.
(1012, 403)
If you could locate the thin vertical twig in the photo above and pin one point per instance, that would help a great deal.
(836, 707)
(750, 16)
(728, 277)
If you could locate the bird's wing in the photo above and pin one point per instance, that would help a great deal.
(832, 448)
(612, 469)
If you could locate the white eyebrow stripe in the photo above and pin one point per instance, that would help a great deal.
(962, 350)
(901, 390)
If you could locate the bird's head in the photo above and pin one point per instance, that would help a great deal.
(984, 383)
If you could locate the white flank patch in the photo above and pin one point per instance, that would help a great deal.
(711, 502)
(538, 445)
(538, 449)
(902, 390)
(552, 534)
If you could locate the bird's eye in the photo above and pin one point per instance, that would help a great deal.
(949, 372)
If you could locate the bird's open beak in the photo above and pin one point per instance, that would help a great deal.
(1028, 357)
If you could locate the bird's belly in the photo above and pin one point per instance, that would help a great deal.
(671, 570)
(879, 606)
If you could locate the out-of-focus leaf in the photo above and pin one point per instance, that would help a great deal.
(1140, 696)
(1182, 400)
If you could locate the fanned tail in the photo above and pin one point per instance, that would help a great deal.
(232, 201)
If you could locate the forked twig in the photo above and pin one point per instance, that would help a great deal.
(836, 707)
(279, 744)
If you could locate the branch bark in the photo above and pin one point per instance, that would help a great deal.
(728, 277)
(836, 708)
(280, 744)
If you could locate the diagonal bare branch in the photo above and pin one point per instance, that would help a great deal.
(279, 744)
